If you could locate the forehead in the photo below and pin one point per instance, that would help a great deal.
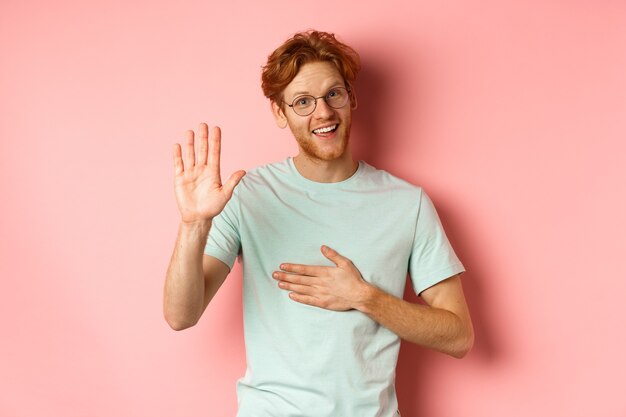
(314, 78)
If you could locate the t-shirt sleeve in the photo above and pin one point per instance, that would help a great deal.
(432, 259)
(224, 241)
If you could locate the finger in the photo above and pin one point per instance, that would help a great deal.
(309, 270)
(190, 158)
(300, 289)
(179, 167)
(203, 132)
(295, 278)
(306, 299)
(334, 256)
(215, 145)
(232, 182)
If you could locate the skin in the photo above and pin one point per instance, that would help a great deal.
(192, 278)
(327, 157)
(443, 324)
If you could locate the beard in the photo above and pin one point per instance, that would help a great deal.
(316, 149)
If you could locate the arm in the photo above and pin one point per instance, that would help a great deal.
(444, 324)
(192, 278)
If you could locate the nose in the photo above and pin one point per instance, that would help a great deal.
(323, 110)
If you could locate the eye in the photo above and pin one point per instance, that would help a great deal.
(333, 93)
(303, 101)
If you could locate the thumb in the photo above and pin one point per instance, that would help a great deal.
(232, 182)
(334, 256)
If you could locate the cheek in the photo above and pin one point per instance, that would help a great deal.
(299, 127)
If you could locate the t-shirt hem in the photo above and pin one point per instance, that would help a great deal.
(438, 276)
(220, 254)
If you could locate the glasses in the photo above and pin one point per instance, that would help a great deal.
(336, 98)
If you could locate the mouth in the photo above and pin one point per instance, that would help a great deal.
(325, 131)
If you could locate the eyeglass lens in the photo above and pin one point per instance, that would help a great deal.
(335, 98)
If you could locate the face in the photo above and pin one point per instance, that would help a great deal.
(324, 134)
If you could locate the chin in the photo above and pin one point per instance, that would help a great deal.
(311, 148)
(327, 155)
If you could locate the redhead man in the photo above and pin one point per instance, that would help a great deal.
(326, 243)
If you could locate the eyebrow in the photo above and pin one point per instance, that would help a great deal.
(306, 93)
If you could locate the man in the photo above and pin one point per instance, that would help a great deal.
(326, 243)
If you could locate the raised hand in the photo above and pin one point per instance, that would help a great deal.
(200, 194)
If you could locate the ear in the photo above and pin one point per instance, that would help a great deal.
(279, 115)
(353, 101)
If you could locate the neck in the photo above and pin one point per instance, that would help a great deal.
(319, 170)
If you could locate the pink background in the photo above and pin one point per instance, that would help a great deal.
(512, 117)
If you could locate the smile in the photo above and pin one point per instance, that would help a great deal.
(326, 129)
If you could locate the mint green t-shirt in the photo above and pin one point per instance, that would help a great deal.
(304, 360)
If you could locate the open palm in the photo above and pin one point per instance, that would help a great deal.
(200, 194)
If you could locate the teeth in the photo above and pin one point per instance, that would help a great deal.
(325, 129)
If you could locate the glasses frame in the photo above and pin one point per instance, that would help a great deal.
(348, 90)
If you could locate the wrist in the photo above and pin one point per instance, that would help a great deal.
(367, 298)
(196, 225)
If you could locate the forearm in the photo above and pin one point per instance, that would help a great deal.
(431, 327)
(183, 300)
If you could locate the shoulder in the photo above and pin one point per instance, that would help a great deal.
(385, 180)
(263, 177)
(267, 172)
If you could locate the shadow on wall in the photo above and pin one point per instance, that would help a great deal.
(381, 89)
(378, 87)
(366, 136)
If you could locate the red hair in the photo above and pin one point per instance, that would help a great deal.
(305, 47)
